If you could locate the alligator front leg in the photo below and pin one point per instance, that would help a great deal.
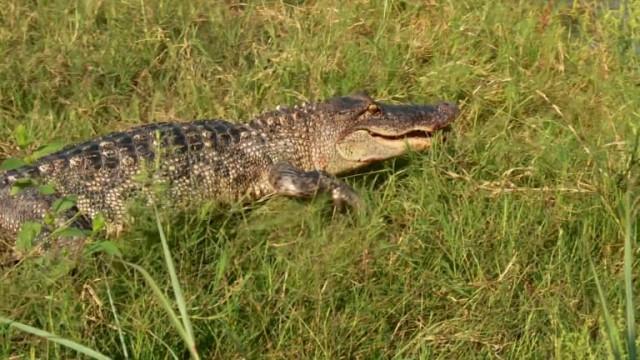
(288, 180)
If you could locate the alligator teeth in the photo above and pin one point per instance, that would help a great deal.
(410, 134)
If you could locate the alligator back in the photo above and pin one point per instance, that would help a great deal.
(204, 158)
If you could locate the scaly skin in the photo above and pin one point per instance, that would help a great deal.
(292, 151)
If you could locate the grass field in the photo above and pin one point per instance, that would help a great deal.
(479, 248)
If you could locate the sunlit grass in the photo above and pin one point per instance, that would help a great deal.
(507, 240)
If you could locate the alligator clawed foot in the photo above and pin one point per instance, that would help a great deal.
(291, 181)
(344, 196)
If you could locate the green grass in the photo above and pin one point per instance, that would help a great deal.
(479, 248)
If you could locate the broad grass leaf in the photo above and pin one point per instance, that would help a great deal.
(12, 164)
(27, 234)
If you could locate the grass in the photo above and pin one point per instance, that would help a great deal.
(53, 338)
(490, 245)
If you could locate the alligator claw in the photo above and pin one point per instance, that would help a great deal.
(344, 196)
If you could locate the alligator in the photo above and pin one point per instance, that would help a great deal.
(296, 151)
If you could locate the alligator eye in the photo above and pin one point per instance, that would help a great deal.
(373, 109)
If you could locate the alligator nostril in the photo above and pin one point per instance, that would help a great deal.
(448, 108)
(451, 106)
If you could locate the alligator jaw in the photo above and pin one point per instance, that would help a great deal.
(367, 146)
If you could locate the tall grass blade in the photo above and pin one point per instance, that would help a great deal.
(54, 338)
(612, 331)
(164, 301)
(177, 290)
(125, 353)
(629, 241)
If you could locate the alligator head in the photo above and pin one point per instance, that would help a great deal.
(363, 131)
